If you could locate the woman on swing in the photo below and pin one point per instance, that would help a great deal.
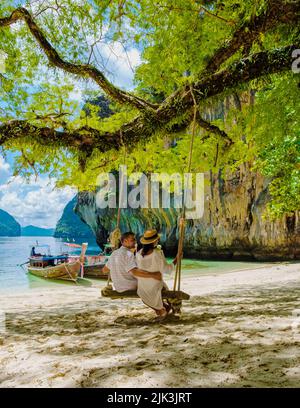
(152, 259)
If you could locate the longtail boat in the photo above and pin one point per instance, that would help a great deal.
(55, 267)
(92, 265)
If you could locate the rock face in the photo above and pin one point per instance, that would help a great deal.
(70, 225)
(9, 227)
(103, 221)
(232, 227)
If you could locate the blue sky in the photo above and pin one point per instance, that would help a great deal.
(39, 203)
(35, 203)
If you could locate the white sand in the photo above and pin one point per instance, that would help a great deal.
(239, 329)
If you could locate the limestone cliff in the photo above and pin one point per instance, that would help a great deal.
(70, 225)
(233, 226)
(9, 227)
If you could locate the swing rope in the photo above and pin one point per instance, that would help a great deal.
(121, 189)
(182, 221)
(175, 297)
(115, 235)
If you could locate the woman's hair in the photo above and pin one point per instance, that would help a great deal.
(147, 248)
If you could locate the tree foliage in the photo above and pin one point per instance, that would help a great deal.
(220, 50)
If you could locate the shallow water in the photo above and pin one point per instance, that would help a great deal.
(15, 250)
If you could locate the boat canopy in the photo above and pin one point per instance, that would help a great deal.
(49, 258)
(72, 245)
(39, 246)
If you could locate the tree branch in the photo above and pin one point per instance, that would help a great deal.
(171, 8)
(277, 12)
(209, 127)
(143, 127)
(84, 70)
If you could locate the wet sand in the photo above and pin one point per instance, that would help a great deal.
(239, 329)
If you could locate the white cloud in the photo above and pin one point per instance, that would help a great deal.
(4, 166)
(76, 94)
(120, 62)
(37, 203)
(4, 170)
(115, 61)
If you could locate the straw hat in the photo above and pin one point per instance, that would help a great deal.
(150, 236)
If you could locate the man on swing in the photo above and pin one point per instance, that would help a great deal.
(123, 268)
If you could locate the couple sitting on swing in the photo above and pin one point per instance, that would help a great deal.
(142, 272)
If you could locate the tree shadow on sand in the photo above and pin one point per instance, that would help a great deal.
(216, 342)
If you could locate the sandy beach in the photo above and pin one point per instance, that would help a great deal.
(239, 329)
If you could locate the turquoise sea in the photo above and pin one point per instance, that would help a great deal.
(15, 250)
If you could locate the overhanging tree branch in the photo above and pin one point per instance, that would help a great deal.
(83, 70)
(255, 66)
(209, 127)
(143, 127)
(277, 11)
(204, 124)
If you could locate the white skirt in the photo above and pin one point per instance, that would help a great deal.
(149, 290)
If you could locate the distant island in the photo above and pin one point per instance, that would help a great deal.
(70, 224)
(9, 227)
(32, 231)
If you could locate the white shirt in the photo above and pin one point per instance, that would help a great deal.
(120, 262)
(149, 289)
(154, 262)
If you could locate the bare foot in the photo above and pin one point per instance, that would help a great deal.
(161, 314)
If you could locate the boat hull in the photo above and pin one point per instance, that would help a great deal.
(64, 271)
(95, 271)
(93, 266)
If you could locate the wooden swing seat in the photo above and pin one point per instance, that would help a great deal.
(131, 294)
